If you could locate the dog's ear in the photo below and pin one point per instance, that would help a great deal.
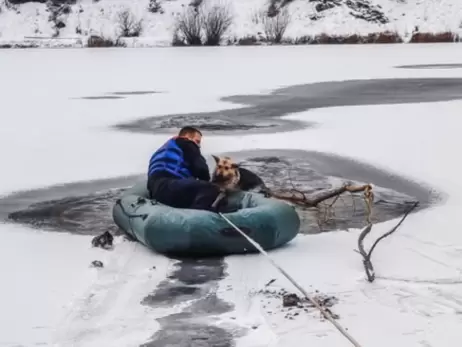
(235, 165)
(216, 158)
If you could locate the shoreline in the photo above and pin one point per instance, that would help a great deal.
(96, 41)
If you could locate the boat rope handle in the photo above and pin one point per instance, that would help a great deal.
(325, 313)
(130, 215)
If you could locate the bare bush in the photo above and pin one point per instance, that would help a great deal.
(95, 41)
(128, 25)
(201, 24)
(216, 22)
(189, 26)
(177, 40)
(275, 26)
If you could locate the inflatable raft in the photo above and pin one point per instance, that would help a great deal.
(164, 229)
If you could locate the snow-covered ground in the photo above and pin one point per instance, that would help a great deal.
(49, 136)
(30, 22)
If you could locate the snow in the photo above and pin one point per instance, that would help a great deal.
(30, 24)
(50, 295)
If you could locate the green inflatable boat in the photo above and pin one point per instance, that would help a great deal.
(164, 229)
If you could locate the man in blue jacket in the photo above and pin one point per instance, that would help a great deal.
(178, 174)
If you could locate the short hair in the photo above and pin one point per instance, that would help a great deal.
(188, 130)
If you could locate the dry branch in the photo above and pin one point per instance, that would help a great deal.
(300, 198)
(368, 267)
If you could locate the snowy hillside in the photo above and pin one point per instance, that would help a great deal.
(157, 22)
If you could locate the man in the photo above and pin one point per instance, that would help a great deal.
(178, 174)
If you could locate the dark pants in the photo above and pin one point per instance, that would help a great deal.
(183, 193)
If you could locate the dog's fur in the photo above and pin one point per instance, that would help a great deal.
(228, 175)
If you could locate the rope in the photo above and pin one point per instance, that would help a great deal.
(325, 313)
(369, 200)
(132, 215)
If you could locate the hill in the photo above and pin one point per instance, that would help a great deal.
(138, 23)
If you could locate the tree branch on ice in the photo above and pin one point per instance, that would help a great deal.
(368, 267)
(301, 199)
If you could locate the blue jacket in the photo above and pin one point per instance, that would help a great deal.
(169, 158)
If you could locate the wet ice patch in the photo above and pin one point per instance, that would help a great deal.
(205, 123)
(200, 335)
(261, 110)
(136, 92)
(103, 97)
(119, 95)
(430, 66)
(192, 284)
(85, 215)
(311, 172)
(88, 210)
(81, 208)
(189, 280)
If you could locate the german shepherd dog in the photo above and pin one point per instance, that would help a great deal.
(230, 176)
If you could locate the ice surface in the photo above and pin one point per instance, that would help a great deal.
(49, 136)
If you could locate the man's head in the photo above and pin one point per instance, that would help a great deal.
(192, 134)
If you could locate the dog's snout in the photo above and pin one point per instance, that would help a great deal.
(219, 178)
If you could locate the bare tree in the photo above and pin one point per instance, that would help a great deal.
(202, 24)
(274, 26)
(128, 25)
(189, 26)
(216, 21)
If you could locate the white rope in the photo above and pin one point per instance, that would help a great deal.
(326, 314)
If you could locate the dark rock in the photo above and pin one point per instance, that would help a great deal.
(66, 9)
(97, 263)
(104, 240)
(155, 7)
(290, 300)
(95, 41)
(324, 6)
(98, 41)
(60, 24)
(361, 9)
(247, 41)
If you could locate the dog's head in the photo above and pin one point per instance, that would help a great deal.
(226, 173)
